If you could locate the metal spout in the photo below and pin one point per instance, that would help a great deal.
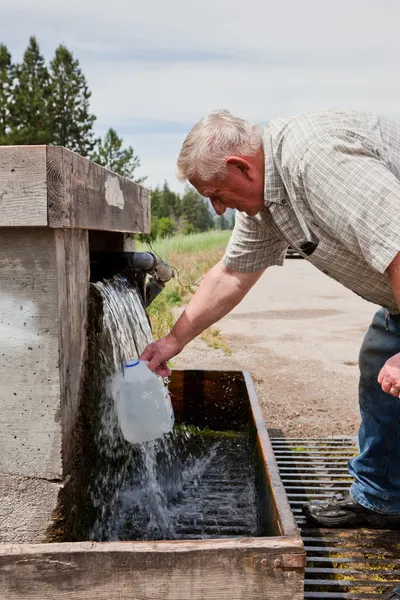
(135, 266)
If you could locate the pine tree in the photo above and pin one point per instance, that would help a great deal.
(6, 91)
(110, 154)
(71, 121)
(29, 118)
(195, 211)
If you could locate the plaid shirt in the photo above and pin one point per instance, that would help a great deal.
(332, 192)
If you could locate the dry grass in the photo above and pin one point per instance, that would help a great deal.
(213, 338)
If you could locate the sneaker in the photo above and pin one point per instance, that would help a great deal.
(342, 511)
(394, 594)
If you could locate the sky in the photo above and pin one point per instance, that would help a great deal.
(156, 67)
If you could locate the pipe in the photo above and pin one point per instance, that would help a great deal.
(134, 266)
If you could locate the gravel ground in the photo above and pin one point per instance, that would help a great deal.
(298, 332)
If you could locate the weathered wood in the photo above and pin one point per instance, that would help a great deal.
(279, 501)
(26, 508)
(72, 249)
(205, 570)
(50, 186)
(82, 194)
(23, 193)
(30, 415)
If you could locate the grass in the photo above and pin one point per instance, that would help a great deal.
(191, 256)
(213, 338)
(197, 242)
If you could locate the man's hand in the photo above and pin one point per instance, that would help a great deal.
(389, 377)
(158, 353)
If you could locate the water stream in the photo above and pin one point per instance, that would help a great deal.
(186, 485)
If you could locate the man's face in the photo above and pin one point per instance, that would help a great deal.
(242, 188)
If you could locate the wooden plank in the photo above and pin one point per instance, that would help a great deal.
(26, 508)
(284, 512)
(23, 194)
(84, 195)
(149, 571)
(72, 249)
(30, 415)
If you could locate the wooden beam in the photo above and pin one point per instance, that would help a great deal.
(205, 570)
(83, 195)
(49, 186)
(72, 250)
(23, 193)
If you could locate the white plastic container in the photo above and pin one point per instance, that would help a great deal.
(143, 403)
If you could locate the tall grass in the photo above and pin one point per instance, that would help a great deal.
(191, 256)
(195, 242)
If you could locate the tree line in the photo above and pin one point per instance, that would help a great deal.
(191, 213)
(50, 104)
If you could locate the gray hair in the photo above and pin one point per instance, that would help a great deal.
(212, 140)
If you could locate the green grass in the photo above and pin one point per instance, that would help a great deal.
(191, 256)
(196, 242)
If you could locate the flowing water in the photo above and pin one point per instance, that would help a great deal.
(188, 484)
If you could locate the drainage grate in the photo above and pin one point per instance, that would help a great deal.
(350, 563)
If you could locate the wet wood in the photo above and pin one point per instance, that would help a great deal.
(72, 250)
(262, 568)
(281, 507)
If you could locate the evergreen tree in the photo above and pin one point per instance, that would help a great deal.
(172, 201)
(71, 121)
(222, 223)
(195, 211)
(29, 118)
(6, 91)
(166, 203)
(110, 154)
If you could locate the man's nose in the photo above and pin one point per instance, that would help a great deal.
(218, 207)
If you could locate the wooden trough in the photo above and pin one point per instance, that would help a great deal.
(54, 204)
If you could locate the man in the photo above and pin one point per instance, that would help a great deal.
(327, 184)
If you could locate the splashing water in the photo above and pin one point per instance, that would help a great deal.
(185, 485)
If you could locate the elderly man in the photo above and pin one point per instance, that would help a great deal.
(326, 183)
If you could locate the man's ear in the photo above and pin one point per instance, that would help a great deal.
(238, 162)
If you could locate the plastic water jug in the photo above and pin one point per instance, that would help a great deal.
(143, 403)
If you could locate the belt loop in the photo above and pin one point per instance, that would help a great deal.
(387, 320)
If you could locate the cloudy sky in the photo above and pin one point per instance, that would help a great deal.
(155, 67)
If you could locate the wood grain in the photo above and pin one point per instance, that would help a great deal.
(81, 194)
(23, 193)
(206, 570)
(72, 250)
(283, 512)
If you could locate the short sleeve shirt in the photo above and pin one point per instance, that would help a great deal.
(332, 192)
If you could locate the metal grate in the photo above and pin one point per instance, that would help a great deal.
(350, 563)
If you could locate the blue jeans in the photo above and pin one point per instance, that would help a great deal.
(377, 468)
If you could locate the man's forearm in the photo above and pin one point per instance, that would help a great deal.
(220, 291)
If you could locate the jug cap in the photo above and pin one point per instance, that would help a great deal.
(131, 362)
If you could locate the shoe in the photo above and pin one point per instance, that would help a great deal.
(342, 511)
(394, 594)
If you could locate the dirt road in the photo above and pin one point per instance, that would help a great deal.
(298, 332)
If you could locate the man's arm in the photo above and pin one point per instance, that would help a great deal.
(389, 377)
(220, 291)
